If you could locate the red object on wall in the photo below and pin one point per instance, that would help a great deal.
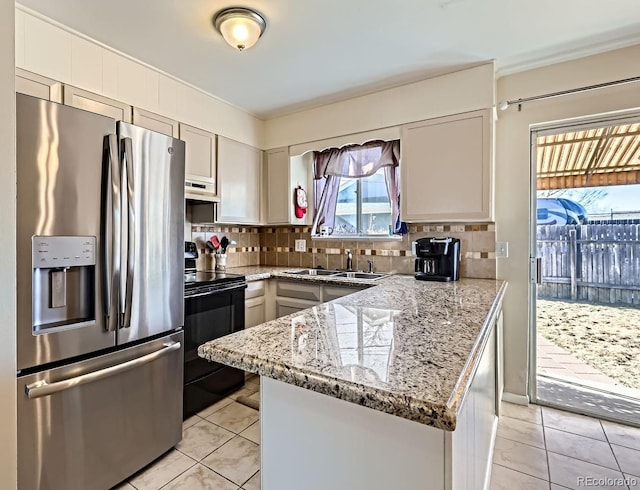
(300, 201)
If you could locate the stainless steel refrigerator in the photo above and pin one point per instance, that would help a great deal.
(100, 216)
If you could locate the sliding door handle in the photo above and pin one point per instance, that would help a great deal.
(43, 388)
(538, 270)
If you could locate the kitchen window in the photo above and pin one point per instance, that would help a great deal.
(357, 190)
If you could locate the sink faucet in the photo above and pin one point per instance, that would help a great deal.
(349, 260)
(370, 266)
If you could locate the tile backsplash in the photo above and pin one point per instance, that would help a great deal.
(477, 240)
(275, 246)
(246, 251)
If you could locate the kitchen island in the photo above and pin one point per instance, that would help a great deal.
(391, 387)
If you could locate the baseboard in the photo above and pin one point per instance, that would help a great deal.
(513, 398)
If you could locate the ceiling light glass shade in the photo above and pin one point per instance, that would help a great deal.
(240, 27)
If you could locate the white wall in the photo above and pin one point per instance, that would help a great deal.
(512, 194)
(8, 460)
(50, 49)
(462, 91)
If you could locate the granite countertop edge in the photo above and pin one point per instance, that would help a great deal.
(461, 389)
(420, 411)
(442, 416)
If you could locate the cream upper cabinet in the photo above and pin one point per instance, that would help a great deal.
(38, 86)
(155, 122)
(279, 194)
(446, 168)
(283, 174)
(200, 163)
(239, 177)
(91, 102)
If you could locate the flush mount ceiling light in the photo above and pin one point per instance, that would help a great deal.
(239, 26)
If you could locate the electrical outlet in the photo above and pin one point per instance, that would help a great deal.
(301, 245)
(502, 250)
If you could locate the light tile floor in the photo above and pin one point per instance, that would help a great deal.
(543, 448)
(220, 450)
(536, 448)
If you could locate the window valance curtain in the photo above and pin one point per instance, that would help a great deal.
(354, 161)
(357, 160)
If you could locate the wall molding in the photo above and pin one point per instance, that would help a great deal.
(513, 398)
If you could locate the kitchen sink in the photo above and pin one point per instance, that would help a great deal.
(361, 275)
(372, 276)
(313, 272)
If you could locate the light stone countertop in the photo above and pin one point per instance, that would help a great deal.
(404, 347)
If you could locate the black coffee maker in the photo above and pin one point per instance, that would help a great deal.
(437, 259)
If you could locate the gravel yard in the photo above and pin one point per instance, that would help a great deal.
(604, 337)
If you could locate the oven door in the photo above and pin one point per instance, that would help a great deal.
(208, 316)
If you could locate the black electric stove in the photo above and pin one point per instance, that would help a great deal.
(209, 281)
(213, 308)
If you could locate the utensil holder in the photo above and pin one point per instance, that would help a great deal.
(221, 262)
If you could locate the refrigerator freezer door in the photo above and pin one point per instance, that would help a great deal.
(59, 172)
(92, 424)
(152, 271)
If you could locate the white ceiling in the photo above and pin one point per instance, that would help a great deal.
(319, 51)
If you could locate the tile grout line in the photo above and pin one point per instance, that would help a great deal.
(610, 446)
(222, 475)
(177, 476)
(585, 461)
(526, 444)
(208, 467)
(546, 451)
(522, 472)
(242, 486)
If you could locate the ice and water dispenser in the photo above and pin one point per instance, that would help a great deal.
(63, 282)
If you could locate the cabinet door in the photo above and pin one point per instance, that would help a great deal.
(239, 176)
(334, 292)
(295, 289)
(155, 122)
(91, 102)
(200, 160)
(287, 306)
(279, 191)
(446, 169)
(37, 86)
(253, 312)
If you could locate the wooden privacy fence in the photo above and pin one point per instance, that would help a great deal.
(593, 262)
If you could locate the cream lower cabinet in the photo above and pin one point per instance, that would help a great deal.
(239, 178)
(288, 306)
(98, 104)
(254, 303)
(37, 86)
(200, 163)
(446, 169)
(155, 122)
(294, 296)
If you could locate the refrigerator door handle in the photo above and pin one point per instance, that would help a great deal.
(42, 388)
(127, 158)
(111, 227)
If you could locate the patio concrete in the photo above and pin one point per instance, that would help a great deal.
(556, 362)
